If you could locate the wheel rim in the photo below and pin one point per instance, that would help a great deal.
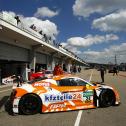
(29, 105)
(108, 98)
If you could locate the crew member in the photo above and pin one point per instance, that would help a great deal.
(58, 70)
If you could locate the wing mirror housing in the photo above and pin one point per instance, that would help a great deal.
(87, 86)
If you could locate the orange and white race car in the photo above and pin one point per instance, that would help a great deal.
(62, 93)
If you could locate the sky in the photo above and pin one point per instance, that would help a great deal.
(95, 30)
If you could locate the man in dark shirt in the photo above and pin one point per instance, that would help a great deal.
(18, 19)
(102, 70)
(115, 71)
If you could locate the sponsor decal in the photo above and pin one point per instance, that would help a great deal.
(88, 93)
(55, 106)
(88, 96)
(46, 84)
(7, 80)
(87, 100)
(62, 97)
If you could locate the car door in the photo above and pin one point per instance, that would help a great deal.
(63, 96)
(72, 89)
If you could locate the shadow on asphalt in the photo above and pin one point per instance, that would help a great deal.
(7, 105)
(3, 101)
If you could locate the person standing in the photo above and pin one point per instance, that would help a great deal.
(71, 69)
(102, 71)
(79, 69)
(58, 70)
(115, 71)
(74, 69)
(18, 19)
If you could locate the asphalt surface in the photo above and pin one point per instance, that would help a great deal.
(110, 116)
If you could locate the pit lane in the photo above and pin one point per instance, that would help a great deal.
(111, 116)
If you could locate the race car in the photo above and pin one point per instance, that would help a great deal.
(62, 93)
(36, 75)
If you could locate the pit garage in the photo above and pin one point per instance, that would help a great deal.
(13, 60)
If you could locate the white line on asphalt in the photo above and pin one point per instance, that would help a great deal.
(91, 76)
(77, 122)
(5, 90)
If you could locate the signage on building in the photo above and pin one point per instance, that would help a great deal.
(7, 80)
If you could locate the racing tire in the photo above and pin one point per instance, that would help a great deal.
(29, 104)
(106, 98)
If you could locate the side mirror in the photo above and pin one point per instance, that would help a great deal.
(87, 86)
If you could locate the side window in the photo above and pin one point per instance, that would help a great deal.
(67, 82)
(80, 82)
(64, 82)
(73, 82)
